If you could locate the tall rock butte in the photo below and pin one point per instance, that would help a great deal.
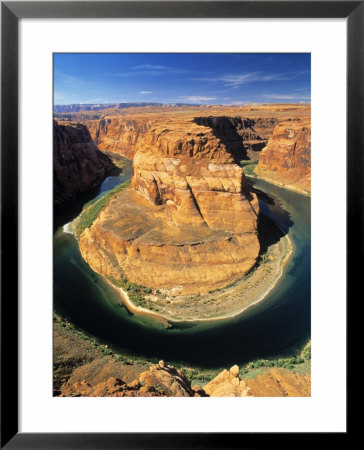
(78, 165)
(189, 220)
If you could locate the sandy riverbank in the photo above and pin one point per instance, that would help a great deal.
(167, 305)
(223, 303)
(220, 304)
(263, 175)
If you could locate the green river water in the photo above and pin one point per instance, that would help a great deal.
(277, 326)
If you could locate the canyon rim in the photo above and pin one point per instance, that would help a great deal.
(182, 187)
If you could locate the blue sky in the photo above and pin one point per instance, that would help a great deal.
(207, 78)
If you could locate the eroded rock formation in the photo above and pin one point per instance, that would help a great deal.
(245, 128)
(188, 221)
(244, 138)
(287, 157)
(161, 380)
(271, 383)
(118, 134)
(82, 369)
(77, 163)
(227, 384)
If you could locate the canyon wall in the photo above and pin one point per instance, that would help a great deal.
(189, 221)
(286, 160)
(244, 138)
(118, 134)
(77, 163)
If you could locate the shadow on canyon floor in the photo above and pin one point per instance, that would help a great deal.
(225, 129)
(63, 214)
(269, 232)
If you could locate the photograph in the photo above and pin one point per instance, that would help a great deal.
(181, 224)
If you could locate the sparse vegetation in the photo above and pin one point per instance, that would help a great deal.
(306, 352)
(195, 376)
(88, 216)
(296, 363)
(135, 292)
(249, 169)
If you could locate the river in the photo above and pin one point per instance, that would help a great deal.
(277, 326)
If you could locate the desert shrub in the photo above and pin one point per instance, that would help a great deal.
(249, 169)
(306, 353)
(88, 216)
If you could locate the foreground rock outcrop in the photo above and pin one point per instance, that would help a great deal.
(227, 384)
(189, 220)
(271, 383)
(286, 160)
(77, 163)
(81, 368)
(160, 380)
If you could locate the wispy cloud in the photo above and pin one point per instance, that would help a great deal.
(237, 103)
(287, 96)
(60, 97)
(236, 80)
(149, 69)
(69, 80)
(197, 98)
(145, 92)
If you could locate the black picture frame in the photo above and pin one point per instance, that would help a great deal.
(11, 12)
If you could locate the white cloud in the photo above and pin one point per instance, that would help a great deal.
(235, 80)
(151, 67)
(287, 96)
(145, 92)
(69, 80)
(197, 98)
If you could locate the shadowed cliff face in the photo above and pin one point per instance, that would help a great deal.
(239, 135)
(78, 165)
(243, 138)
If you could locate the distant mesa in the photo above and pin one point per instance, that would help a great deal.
(77, 107)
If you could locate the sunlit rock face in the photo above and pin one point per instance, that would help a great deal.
(118, 134)
(287, 157)
(77, 163)
(189, 219)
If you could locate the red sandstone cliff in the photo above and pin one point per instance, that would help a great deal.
(188, 221)
(286, 159)
(118, 134)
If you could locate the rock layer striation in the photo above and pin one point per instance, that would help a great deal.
(189, 220)
(287, 157)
